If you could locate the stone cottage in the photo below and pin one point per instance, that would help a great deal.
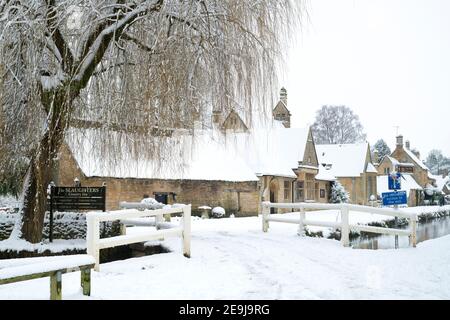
(352, 166)
(405, 160)
(235, 171)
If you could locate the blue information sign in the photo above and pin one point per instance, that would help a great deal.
(394, 198)
(395, 181)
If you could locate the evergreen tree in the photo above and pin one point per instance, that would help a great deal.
(382, 148)
(338, 193)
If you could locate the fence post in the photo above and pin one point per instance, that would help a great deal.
(265, 215)
(92, 237)
(186, 234)
(301, 226)
(413, 229)
(345, 229)
(158, 220)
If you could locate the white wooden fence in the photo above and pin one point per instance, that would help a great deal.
(94, 243)
(344, 225)
(143, 206)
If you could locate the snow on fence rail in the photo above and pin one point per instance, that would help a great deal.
(94, 243)
(344, 223)
(143, 206)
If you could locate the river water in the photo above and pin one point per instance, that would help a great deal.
(425, 231)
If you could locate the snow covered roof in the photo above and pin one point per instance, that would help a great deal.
(415, 159)
(347, 160)
(208, 156)
(441, 182)
(271, 151)
(408, 183)
(325, 175)
(371, 168)
(395, 162)
(205, 159)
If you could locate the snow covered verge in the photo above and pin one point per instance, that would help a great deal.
(233, 259)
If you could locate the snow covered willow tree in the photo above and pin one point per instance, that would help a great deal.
(132, 67)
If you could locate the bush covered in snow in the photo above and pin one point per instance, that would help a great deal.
(66, 225)
(9, 203)
(152, 203)
(218, 212)
(338, 193)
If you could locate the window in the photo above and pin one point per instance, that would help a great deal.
(322, 193)
(300, 194)
(287, 190)
(406, 169)
(316, 191)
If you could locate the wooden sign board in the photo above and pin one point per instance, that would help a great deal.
(76, 198)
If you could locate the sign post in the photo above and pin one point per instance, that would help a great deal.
(75, 198)
(395, 198)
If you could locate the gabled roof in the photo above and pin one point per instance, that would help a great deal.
(415, 159)
(239, 117)
(282, 105)
(347, 160)
(271, 151)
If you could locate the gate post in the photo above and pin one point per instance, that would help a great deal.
(92, 238)
(186, 233)
(265, 215)
(301, 226)
(345, 229)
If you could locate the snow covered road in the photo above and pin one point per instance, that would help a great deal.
(233, 259)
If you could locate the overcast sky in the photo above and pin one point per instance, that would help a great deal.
(387, 60)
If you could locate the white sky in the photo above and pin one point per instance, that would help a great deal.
(388, 60)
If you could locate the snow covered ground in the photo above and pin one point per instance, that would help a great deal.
(233, 259)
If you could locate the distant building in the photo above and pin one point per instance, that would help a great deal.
(234, 122)
(407, 161)
(404, 160)
(281, 112)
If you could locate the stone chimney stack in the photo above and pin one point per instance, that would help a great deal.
(407, 144)
(216, 117)
(283, 95)
(400, 141)
(416, 153)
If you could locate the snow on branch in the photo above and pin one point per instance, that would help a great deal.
(100, 44)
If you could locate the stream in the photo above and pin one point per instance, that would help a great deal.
(435, 228)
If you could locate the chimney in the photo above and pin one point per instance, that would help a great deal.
(216, 117)
(283, 95)
(407, 144)
(416, 153)
(400, 141)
